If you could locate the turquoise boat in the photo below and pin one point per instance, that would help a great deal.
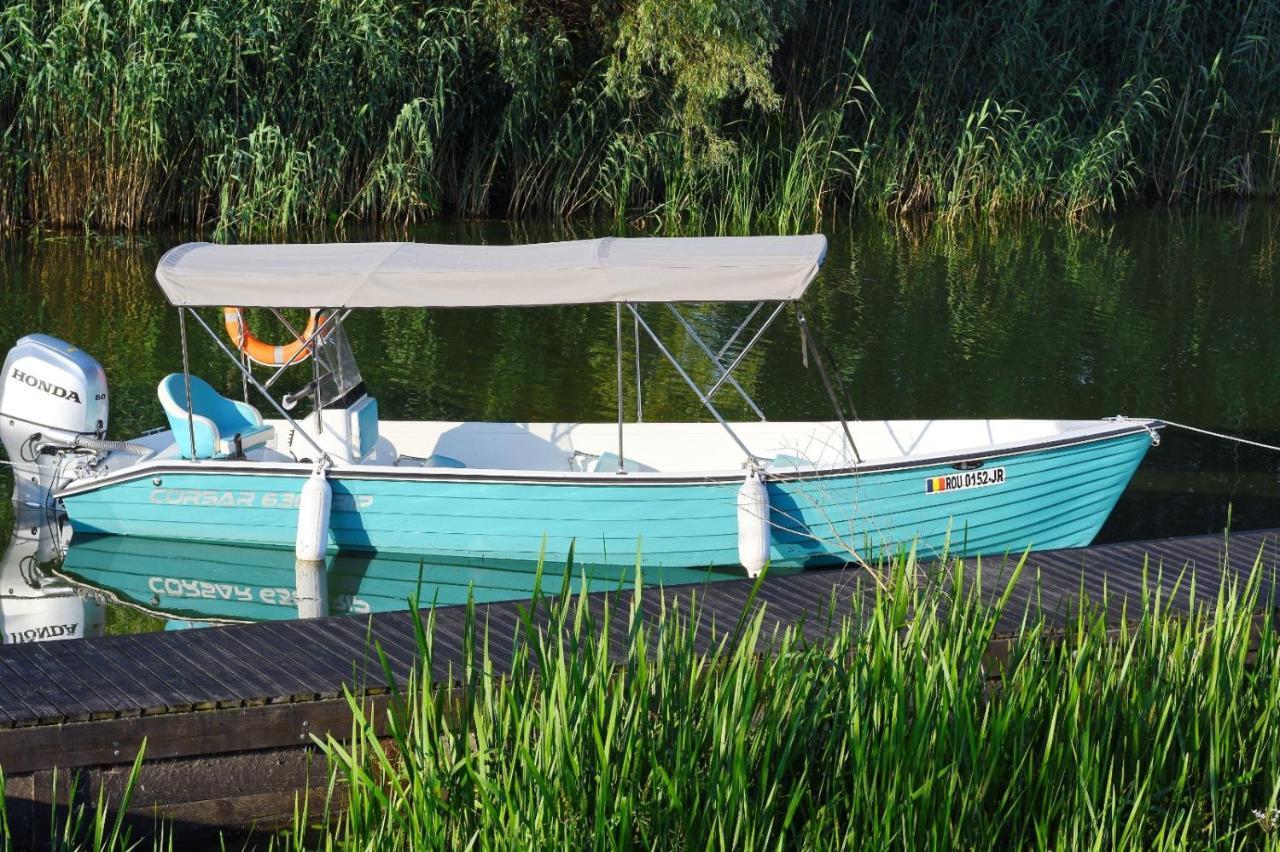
(669, 495)
(192, 583)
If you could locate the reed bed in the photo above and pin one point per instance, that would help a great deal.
(900, 728)
(257, 116)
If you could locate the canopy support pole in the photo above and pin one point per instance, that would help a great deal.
(617, 322)
(332, 319)
(639, 379)
(258, 385)
(315, 385)
(186, 380)
(740, 329)
(715, 361)
(755, 338)
(826, 382)
(710, 406)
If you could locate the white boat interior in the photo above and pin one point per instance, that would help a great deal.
(344, 426)
(665, 448)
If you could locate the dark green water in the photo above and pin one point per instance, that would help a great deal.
(1158, 315)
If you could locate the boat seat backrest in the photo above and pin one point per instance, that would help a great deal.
(607, 462)
(505, 446)
(216, 421)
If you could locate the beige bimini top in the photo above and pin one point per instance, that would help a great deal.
(420, 275)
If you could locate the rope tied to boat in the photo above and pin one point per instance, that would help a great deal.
(1221, 436)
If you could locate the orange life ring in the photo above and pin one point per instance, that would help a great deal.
(267, 354)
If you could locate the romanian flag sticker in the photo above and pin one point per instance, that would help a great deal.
(980, 478)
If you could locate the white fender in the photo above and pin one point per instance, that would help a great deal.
(312, 588)
(313, 517)
(753, 523)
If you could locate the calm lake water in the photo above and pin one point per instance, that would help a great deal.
(1160, 315)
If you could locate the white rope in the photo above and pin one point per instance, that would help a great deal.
(1221, 435)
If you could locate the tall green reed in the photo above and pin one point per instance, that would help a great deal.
(76, 823)
(899, 727)
(256, 117)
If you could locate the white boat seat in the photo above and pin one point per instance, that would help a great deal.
(785, 462)
(608, 463)
(437, 460)
(222, 427)
(433, 460)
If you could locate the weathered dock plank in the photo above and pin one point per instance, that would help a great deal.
(292, 661)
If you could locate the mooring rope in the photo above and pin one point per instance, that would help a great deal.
(1221, 435)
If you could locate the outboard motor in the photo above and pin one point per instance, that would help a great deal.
(53, 398)
(36, 606)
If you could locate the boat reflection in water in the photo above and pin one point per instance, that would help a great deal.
(35, 604)
(194, 583)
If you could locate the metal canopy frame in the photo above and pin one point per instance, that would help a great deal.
(335, 318)
(722, 375)
(811, 344)
(675, 362)
(246, 373)
(723, 372)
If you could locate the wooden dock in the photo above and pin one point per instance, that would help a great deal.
(228, 713)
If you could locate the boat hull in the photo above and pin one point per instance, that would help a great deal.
(202, 582)
(1049, 497)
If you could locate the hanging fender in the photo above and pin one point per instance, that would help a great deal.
(315, 505)
(754, 538)
(261, 352)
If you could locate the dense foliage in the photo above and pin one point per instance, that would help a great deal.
(705, 114)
